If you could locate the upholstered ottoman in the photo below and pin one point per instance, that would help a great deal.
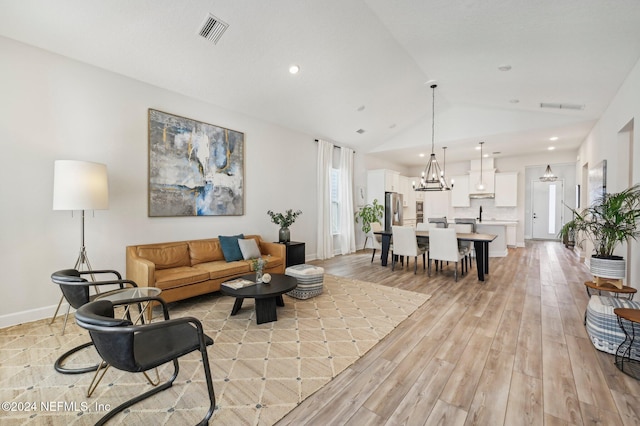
(602, 324)
(310, 280)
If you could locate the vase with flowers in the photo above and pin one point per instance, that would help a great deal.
(284, 220)
(258, 265)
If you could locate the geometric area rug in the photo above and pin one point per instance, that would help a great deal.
(260, 372)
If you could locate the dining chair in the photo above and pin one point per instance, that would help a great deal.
(441, 222)
(465, 247)
(406, 244)
(443, 246)
(376, 240)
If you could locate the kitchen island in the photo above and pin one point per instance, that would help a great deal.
(506, 232)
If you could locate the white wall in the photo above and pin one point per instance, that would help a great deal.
(603, 143)
(54, 108)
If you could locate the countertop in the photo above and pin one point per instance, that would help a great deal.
(498, 222)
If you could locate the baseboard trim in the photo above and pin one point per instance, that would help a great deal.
(30, 315)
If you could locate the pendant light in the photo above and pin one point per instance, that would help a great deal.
(480, 185)
(548, 175)
(432, 178)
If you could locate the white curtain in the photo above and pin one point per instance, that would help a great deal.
(324, 249)
(347, 233)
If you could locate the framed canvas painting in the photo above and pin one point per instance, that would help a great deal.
(195, 168)
(597, 181)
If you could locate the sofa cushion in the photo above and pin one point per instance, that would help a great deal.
(166, 256)
(178, 277)
(249, 249)
(230, 247)
(221, 268)
(202, 251)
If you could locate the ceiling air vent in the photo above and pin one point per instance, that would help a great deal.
(561, 106)
(212, 28)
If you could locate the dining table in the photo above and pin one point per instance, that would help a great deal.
(480, 244)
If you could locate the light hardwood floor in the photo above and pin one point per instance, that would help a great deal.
(512, 350)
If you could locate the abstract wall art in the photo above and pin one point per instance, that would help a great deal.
(195, 168)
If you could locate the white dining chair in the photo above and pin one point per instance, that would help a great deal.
(465, 247)
(376, 240)
(406, 244)
(443, 246)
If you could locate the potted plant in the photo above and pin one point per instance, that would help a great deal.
(285, 221)
(611, 220)
(369, 213)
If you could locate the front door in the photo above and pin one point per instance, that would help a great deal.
(546, 208)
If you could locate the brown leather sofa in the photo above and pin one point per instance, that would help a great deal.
(185, 269)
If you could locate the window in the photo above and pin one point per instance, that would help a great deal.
(335, 201)
(552, 209)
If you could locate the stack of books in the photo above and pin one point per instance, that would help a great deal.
(238, 283)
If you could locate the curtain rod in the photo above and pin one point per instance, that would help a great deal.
(336, 146)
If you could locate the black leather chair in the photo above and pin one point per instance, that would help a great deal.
(75, 290)
(139, 348)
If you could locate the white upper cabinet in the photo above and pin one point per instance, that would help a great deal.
(460, 191)
(506, 189)
(391, 181)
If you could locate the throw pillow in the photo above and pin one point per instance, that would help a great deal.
(230, 247)
(249, 249)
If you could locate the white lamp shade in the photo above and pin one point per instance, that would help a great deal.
(80, 185)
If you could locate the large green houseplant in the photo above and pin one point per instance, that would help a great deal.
(368, 214)
(610, 221)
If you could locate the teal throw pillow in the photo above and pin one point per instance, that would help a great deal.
(230, 247)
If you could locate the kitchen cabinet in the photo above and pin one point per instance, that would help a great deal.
(460, 191)
(506, 189)
(391, 181)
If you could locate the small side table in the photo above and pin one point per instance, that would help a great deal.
(593, 288)
(627, 356)
(132, 293)
(295, 253)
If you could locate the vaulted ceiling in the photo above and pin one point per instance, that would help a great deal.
(365, 64)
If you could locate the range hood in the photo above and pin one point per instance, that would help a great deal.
(481, 195)
(488, 177)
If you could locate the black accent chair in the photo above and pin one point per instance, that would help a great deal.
(139, 348)
(75, 290)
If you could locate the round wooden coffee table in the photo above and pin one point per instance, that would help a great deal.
(267, 296)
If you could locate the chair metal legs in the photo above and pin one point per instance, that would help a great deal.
(166, 385)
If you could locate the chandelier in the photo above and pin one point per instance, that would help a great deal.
(548, 175)
(432, 178)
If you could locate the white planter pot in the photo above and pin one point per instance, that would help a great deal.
(614, 268)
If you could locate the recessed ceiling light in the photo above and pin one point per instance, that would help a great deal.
(361, 131)
(477, 148)
(361, 108)
(551, 148)
(486, 155)
(421, 155)
(553, 138)
(294, 69)
(514, 101)
(504, 67)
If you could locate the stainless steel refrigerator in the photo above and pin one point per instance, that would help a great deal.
(392, 209)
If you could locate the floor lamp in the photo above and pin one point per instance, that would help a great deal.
(79, 185)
